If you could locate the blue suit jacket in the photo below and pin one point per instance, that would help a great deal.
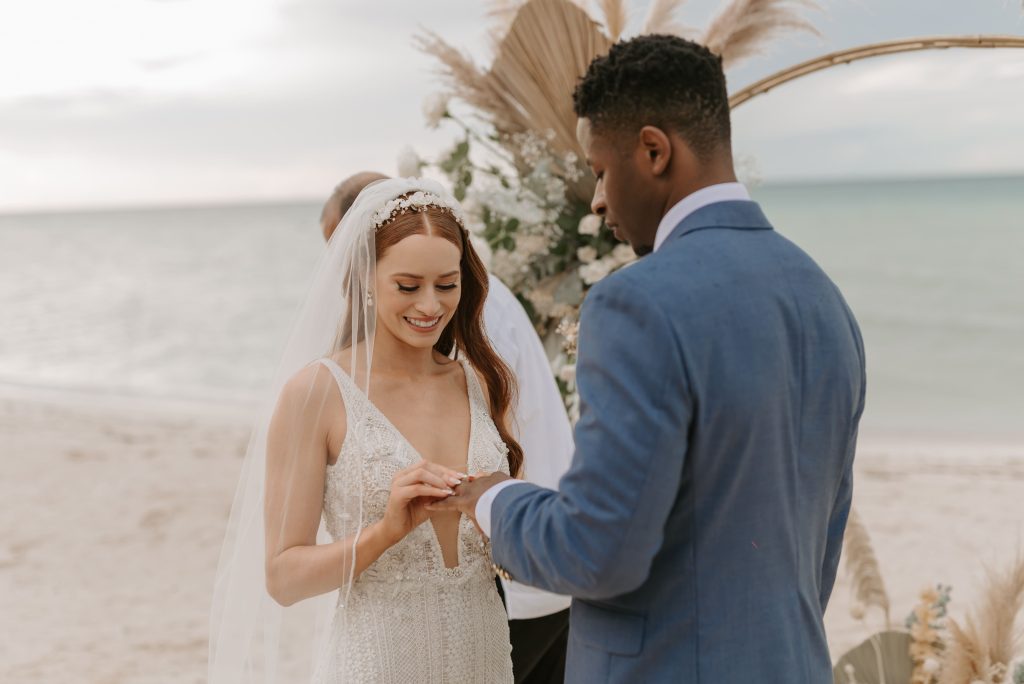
(699, 527)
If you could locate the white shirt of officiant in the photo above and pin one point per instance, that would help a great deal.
(721, 192)
(541, 425)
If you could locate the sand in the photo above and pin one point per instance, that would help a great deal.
(112, 514)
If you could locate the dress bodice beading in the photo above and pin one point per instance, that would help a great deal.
(407, 617)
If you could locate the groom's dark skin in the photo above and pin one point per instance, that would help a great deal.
(640, 176)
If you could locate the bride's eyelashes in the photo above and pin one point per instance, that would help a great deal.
(413, 288)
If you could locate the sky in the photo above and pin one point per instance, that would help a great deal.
(163, 102)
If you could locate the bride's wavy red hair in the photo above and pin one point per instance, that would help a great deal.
(465, 332)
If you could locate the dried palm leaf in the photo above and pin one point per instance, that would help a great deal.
(862, 565)
(661, 19)
(501, 13)
(529, 87)
(882, 659)
(547, 49)
(744, 27)
(615, 18)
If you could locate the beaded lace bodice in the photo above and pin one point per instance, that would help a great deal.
(407, 617)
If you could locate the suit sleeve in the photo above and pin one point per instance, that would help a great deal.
(836, 532)
(844, 495)
(597, 537)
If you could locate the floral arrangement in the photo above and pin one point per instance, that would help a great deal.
(516, 164)
(934, 648)
(926, 625)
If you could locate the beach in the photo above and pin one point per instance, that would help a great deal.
(112, 513)
(112, 519)
(135, 346)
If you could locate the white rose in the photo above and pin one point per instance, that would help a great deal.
(586, 254)
(409, 163)
(595, 271)
(590, 225)
(623, 254)
(435, 108)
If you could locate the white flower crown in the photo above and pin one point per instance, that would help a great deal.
(417, 201)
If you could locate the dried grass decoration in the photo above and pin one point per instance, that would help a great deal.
(984, 647)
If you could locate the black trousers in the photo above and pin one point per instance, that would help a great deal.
(538, 647)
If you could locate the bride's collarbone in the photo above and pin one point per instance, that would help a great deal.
(433, 416)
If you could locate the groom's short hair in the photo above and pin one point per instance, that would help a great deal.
(340, 201)
(658, 80)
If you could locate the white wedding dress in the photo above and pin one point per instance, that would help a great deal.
(407, 617)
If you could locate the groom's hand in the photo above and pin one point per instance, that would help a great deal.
(467, 494)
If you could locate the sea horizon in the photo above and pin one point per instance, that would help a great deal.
(192, 303)
(227, 203)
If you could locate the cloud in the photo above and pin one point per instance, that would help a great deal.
(893, 116)
(127, 102)
(165, 63)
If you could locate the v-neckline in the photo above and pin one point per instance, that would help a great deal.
(435, 540)
(391, 426)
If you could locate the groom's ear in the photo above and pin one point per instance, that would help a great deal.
(657, 149)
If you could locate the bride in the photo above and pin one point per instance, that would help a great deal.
(389, 393)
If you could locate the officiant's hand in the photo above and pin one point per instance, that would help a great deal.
(467, 493)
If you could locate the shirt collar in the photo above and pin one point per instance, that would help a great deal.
(720, 192)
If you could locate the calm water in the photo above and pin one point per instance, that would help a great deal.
(933, 270)
(195, 303)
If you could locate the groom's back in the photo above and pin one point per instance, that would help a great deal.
(774, 364)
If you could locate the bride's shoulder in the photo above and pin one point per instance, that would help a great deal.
(313, 385)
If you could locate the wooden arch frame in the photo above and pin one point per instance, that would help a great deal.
(864, 52)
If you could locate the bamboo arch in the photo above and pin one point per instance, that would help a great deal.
(865, 51)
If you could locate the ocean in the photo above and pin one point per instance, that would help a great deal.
(194, 303)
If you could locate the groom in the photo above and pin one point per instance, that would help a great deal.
(721, 380)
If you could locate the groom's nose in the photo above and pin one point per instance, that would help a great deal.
(598, 205)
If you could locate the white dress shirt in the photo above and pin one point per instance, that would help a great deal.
(721, 192)
(541, 425)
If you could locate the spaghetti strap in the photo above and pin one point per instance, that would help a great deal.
(476, 394)
(351, 397)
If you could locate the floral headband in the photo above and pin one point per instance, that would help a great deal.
(417, 201)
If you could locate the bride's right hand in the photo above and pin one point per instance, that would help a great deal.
(411, 490)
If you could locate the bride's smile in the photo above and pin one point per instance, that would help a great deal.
(418, 289)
